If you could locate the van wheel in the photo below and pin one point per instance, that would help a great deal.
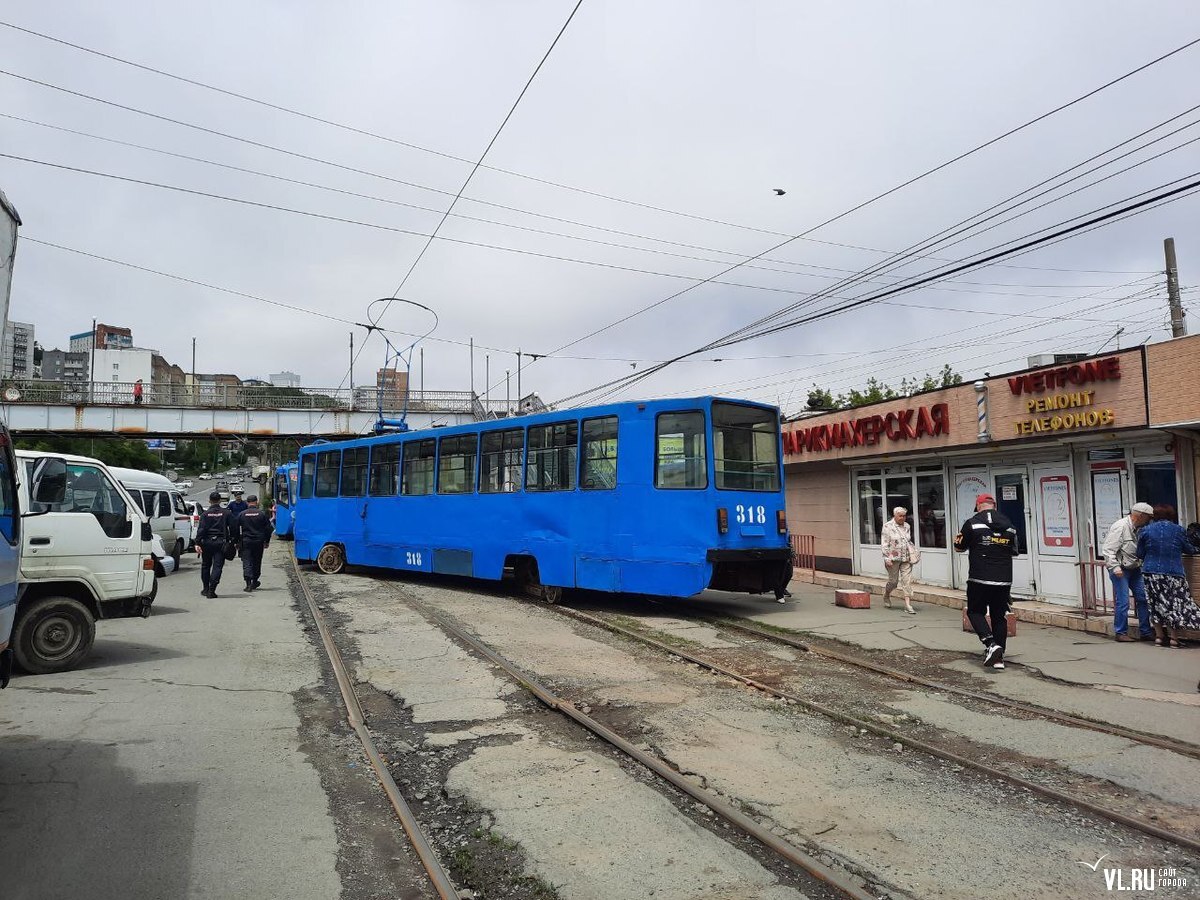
(53, 634)
(177, 553)
(331, 560)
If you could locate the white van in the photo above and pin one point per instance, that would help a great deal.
(85, 555)
(163, 504)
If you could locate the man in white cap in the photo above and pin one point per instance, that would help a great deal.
(899, 554)
(1125, 570)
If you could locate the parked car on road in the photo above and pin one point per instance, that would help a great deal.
(222, 488)
(87, 554)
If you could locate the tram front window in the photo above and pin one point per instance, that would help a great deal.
(745, 447)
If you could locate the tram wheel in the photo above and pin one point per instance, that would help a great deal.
(332, 559)
(531, 584)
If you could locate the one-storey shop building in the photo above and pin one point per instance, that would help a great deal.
(1065, 449)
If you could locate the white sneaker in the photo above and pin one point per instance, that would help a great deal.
(992, 654)
(998, 665)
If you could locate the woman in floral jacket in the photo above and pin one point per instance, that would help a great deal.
(899, 556)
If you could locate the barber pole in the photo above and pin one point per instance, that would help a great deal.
(981, 411)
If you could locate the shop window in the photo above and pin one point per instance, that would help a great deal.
(899, 493)
(1106, 455)
(1154, 483)
(930, 519)
(870, 510)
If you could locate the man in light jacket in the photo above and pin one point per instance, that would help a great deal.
(1125, 571)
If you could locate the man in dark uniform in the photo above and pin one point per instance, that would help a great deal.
(990, 541)
(237, 506)
(216, 529)
(254, 529)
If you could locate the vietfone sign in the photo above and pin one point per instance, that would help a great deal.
(1065, 410)
(869, 431)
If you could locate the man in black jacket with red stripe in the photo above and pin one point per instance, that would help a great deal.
(990, 541)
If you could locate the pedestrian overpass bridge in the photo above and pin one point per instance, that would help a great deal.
(231, 411)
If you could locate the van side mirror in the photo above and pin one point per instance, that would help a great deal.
(49, 484)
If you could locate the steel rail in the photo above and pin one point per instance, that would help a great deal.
(738, 819)
(437, 875)
(882, 731)
(1183, 748)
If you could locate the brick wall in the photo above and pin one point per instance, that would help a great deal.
(1173, 370)
(818, 502)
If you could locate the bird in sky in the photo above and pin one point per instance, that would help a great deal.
(779, 192)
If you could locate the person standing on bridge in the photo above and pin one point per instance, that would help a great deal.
(254, 529)
(217, 529)
(137, 392)
(990, 541)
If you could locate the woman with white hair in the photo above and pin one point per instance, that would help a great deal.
(899, 556)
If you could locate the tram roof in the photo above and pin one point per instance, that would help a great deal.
(541, 418)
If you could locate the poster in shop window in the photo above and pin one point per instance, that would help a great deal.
(1106, 501)
(967, 486)
(1058, 528)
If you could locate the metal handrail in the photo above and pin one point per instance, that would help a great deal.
(804, 553)
(241, 396)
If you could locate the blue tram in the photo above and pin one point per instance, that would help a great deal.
(284, 490)
(664, 497)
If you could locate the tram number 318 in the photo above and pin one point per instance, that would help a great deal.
(412, 559)
(754, 515)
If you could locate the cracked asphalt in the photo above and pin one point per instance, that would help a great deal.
(173, 764)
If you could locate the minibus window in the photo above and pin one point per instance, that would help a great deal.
(599, 454)
(680, 461)
(553, 455)
(745, 447)
(8, 495)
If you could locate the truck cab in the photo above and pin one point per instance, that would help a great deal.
(86, 554)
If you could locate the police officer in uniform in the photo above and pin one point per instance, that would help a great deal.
(216, 529)
(254, 528)
(990, 542)
(237, 506)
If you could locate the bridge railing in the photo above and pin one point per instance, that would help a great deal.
(243, 396)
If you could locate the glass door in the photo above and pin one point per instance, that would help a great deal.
(1011, 490)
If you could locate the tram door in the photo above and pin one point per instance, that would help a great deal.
(1011, 490)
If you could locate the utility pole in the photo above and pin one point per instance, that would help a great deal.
(518, 380)
(352, 371)
(507, 395)
(93, 391)
(193, 385)
(487, 380)
(422, 374)
(472, 368)
(1178, 326)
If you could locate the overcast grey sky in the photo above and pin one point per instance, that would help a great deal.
(694, 106)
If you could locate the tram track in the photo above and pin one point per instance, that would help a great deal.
(864, 725)
(438, 878)
(1183, 748)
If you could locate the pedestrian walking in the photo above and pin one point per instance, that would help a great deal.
(990, 542)
(1125, 571)
(137, 392)
(216, 530)
(1161, 546)
(237, 505)
(899, 556)
(254, 529)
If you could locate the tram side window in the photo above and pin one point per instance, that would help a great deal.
(308, 463)
(385, 470)
(500, 470)
(553, 457)
(599, 454)
(354, 472)
(745, 447)
(680, 459)
(417, 467)
(329, 467)
(281, 490)
(456, 464)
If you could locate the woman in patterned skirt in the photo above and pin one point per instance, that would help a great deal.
(1161, 545)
